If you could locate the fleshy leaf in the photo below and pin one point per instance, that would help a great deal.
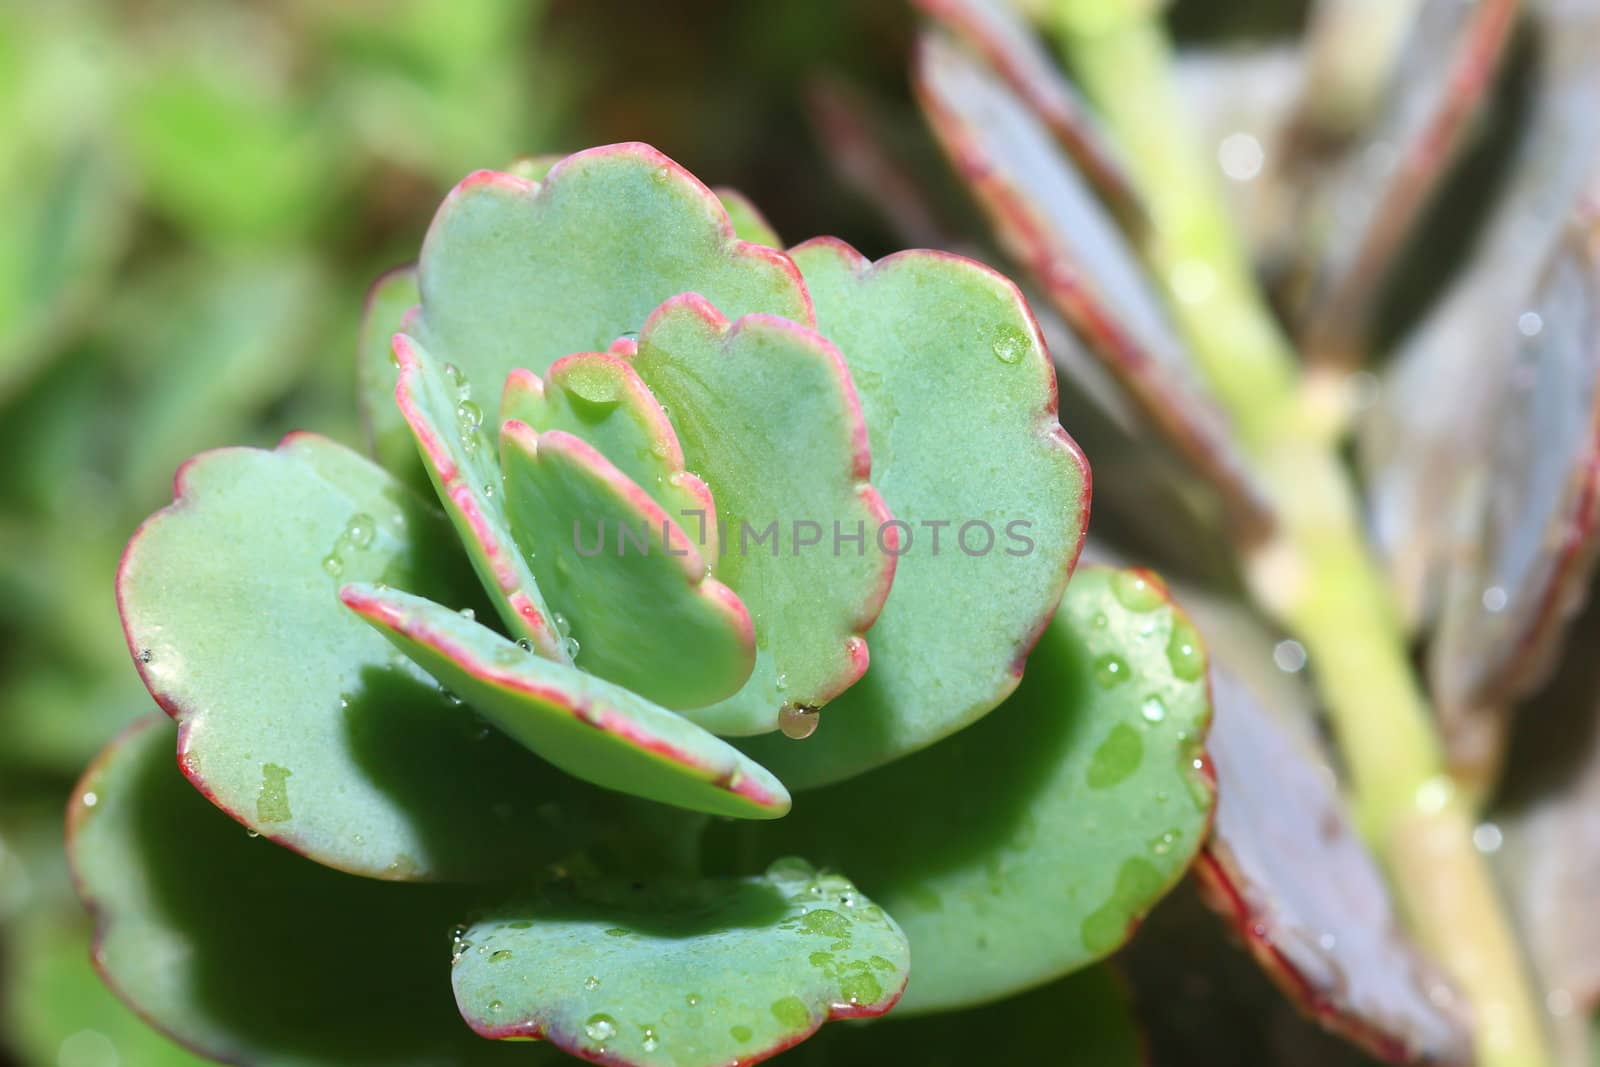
(389, 439)
(767, 415)
(586, 726)
(682, 974)
(749, 224)
(599, 398)
(1285, 867)
(1506, 605)
(518, 274)
(296, 718)
(1443, 82)
(1423, 439)
(996, 30)
(1084, 1020)
(1058, 819)
(646, 615)
(1049, 220)
(993, 508)
(199, 926)
(460, 459)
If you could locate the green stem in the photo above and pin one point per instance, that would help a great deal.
(1317, 573)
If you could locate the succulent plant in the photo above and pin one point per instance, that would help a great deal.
(708, 521)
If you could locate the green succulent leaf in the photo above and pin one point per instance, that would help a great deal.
(1084, 1020)
(748, 221)
(388, 436)
(681, 974)
(583, 724)
(599, 398)
(768, 417)
(646, 615)
(1047, 829)
(460, 459)
(201, 949)
(518, 274)
(296, 718)
(993, 495)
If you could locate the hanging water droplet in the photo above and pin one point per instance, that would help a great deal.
(563, 627)
(252, 834)
(468, 614)
(600, 1027)
(1154, 709)
(798, 721)
(453, 372)
(572, 647)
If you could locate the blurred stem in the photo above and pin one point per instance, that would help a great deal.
(1316, 573)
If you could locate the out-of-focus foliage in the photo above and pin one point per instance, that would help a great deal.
(197, 195)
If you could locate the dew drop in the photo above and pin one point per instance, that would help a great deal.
(1154, 709)
(591, 983)
(360, 529)
(469, 415)
(496, 1006)
(1184, 653)
(798, 721)
(600, 1027)
(468, 614)
(501, 956)
(453, 372)
(333, 565)
(563, 627)
(524, 644)
(572, 647)
(1009, 343)
(1110, 671)
(693, 1000)
(648, 1040)
(1137, 590)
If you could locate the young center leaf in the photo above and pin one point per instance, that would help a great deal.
(585, 725)
(389, 439)
(768, 417)
(990, 495)
(646, 614)
(681, 973)
(1048, 828)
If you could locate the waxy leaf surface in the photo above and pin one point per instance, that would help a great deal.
(199, 926)
(516, 273)
(646, 615)
(461, 461)
(595, 730)
(768, 417)
(991, 495)
(296, 718)
(1047, 829)
(1285, 867)
(681, 974)
(599, 398)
